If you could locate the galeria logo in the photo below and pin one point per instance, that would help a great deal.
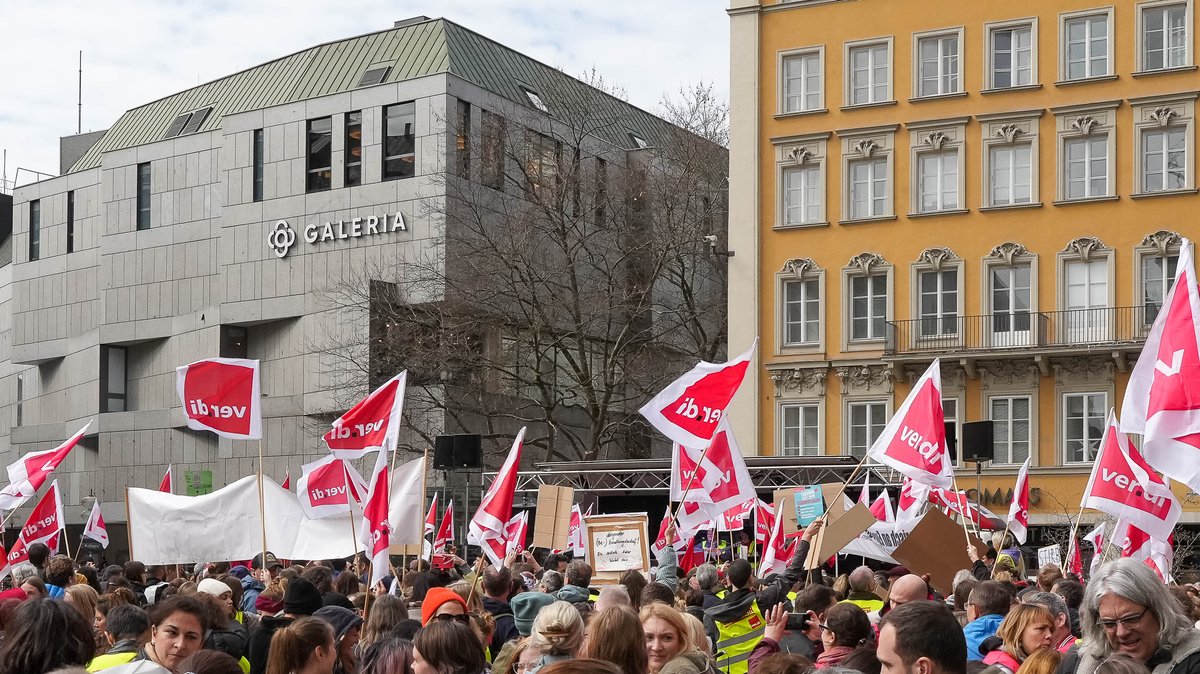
(282, 238)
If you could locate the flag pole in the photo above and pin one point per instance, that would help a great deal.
(962, 515)
(687, 488)
(846, 482)
(262, 508)
(424, 473)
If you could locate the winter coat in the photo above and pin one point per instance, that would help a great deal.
(979, 629)
(251, 588)
(260, 641)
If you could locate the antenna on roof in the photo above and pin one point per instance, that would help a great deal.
(79, 100)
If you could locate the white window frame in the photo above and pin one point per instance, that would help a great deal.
(848, 77)
(810, 194)
(801, 151)
(917, 76)
(1031, 440)
(799, 269)
(866, 265)
(936, 260)
(804, 52)
(1062, 422)
(1086, 328)
(1087, 122)
(959, 399)
(1005, 255)
(1011, 129)
(782, 408)
(1188, 59)
(943, 136)
(989, 54)
(1164, 113)
(1063, 64)
(868, 145)
(1162, 244)
(848, 431)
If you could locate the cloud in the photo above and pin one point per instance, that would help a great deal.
(135, 52)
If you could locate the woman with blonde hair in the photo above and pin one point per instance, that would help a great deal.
(84, 599)
(615, 635)
(669, 646)
(1042, 661)
(557, 633)
(1026, 629)
(699, 636)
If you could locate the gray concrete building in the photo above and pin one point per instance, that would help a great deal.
(206, 223)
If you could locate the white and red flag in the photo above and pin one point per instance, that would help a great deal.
(576, 542)
(1075, 559)
(914, 440)
(95, 528)
(881, 508)
(431, 518)
(690, 409)
(778, 551)
(329, 486)
(43, 526)
(167, 484)
(957, 502)
(733, 518)
(764, 522)
(1096, 538)
(27, 474)
(287, 480)
(1018, 512)
(913, 497)
(495, 510)
(1138, 544)
(371, 424)
(1115, 486)
(445, 532)
(221, 395)
(660, 541)
(516, 531)
(375, 535)
(718, 474)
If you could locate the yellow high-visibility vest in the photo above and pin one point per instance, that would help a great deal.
(735, 641)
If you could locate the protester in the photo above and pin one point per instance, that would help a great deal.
(347, 627)
(387, 611)
(612, 595)
(634, 582)
(582, 666)
(1127, 609)
(846, 628)
(1047, 576)
(1027, 628)
(44, 635)
(862, 590)
(579, 577)
(126, 629)
(227, 634)
(443, 604)
(303, 646)
(447, 647)
(1042, 661)
(525, 607)
(83, 598)
(982, 568)
(615, 635)
(506, 660)
(803, 630)
(557, 632)
(389, 654)
(177, 628)
(862, 660)
(783, 663)
(34, 588)
(210, 662)
(496, 585)
(1072, 593)
(1122, 663)
(669, 648)
(1063, 639)
(986, 607)
(552, 582)
(708, 581)
(962, 595)
(300, 599)
(922, 631)
(905, 589)
(58, 574)
(657, 592)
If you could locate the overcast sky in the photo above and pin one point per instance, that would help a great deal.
(137, 51)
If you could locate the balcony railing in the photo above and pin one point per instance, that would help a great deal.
(1021, 330)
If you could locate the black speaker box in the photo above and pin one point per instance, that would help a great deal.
(468, 452)
(977, 441)
(443, 452)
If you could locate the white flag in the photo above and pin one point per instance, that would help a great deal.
(95, 528)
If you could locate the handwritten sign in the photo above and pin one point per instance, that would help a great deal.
(617, 543)
(617, 550)
(1051, 554)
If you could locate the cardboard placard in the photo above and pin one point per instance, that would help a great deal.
(936, 547)
(785, 507)
(553, 517)
(837, 534)
(829, 492)
(616, 544)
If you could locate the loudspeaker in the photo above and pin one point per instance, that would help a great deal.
(952, 440)
(443, 452)
(977, 441)
(468, 452)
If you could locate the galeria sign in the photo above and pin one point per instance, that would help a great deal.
(221, 395)
(282, 236)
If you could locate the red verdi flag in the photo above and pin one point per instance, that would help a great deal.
(95, 528)
(372, 422)
(721, 480)
(328, 487)
(221, 395)
(1116, 486)
(376, 532)
(495, 510)
(1018, 512)
(516, 531)
(46, 520)
(914, 440)
(690, 409)
(27, 474)
(445, 532)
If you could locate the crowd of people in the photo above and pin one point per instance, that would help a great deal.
(539, 614)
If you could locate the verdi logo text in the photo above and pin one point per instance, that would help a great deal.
(202, 409)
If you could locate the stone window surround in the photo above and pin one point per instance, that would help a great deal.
(801, 150)
(1085, 249)
(799, 269)
(781, 87)
(781, 403)
(935, 259)
(847, 72)
(1081, 121)
(1162, 112)
(959, 32)
(868, 143)
(992, 26)
(940, 135)
(1063, 18)
(859, 399)
(1162, 243)
(1189, 40)
(1009, 254)
(1012, 128)
(866, 264)
(1061, 391)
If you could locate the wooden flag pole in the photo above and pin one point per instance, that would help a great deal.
(421, 555)
(965, 506)
(846, 482)
(687, 488)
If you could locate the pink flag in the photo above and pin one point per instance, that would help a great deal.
(95, 528)
(221, 395)
(764, 522)
(27, 474)
(914, 440)
(371, 424)
(913, 497)
(515, 532)
(445, 532)
(689, 410)
(660, 541)
(43, 526)
(778, 552)
(487, 526)
(375, 533)
(575, 533)
(328, 487)
(1018, 512)
(732, 519)
(720, 473)
(1115, 487)
(167, 485)
(881, 508)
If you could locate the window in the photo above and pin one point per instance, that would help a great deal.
(353, 148)
(495, 134)
(1164, 159)
(1085, 46)
(638, 142)
(1086, 167)
(950, 419)
(112, 378)
(868, 306)
(233, 342)
(1010, 428)
(143, 196)
(601, 209)
(400, 141)
(374, 75)
(869, 74)
(1085, 283)
(35, 230)
(542, 156)
(535, 99)
(71, 221)
(1011, 305)
(867, 420)
(1010, 177)
(319, 168)
(802, 195)
(1157, 274)
(1011, 52)
(937, 188)
(802, 82)
(20, 399)
(939, 65)
(1164, 37)
(462, 139)
(801, 312)
(868, 188)
(258, 165)
(1083, 425)
(938, 302)
(800, 430)
(186, 123)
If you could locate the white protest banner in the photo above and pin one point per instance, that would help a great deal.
(1051, 554)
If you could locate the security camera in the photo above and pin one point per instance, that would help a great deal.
(711, 239)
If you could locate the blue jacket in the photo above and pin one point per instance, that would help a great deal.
(250, 591)
(979, 629)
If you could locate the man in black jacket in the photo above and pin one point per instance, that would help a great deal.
(496, 585)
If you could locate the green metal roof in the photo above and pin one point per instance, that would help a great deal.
(412, 50)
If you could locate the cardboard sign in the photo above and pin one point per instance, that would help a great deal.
(553, 520)
(785, 507)
(829, 492)
(809, 505)
(1051, 554)
(936, 547)
(616, 544)
(837, 534)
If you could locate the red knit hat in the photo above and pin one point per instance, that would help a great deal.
(434, 600)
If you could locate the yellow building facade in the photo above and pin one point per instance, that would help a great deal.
(1001, 185)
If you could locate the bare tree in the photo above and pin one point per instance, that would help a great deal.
(573, 281)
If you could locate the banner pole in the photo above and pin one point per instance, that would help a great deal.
(965, 506)
(262, 508)
(846, 483)
(66, 541)
(128, 523)
(688, 487)
(424, 486)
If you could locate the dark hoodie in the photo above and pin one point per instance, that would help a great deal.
(506, 624)
(231, 638)
(300, 599)
(773, 590)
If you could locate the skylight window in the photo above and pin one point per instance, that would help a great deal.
(188, 122)
(535, 99)
(374, 75)
(638, 142)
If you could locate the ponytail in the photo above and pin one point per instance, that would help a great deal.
(292, 646)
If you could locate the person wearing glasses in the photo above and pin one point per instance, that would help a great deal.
(846, 627)
(442, 604)
(1127, 609)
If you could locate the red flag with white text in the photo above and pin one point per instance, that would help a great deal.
(375, 533)
(516, 531)
(914, 440)
(495, 509)
(913, 497)
(329, 486)
(778, 551)
(371, 424)
(733, 518)
(1115, 488)
(957, 502)
(221, 395)
(1018, 512)
(691, 408)
(764, 522)
(720, 473)
(27, 474)
(1096, 538)
(95, 528)
(431, 517)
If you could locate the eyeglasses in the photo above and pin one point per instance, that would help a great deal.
(524, 666)
(447, 617)
(825, 627)
(1128, 622)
